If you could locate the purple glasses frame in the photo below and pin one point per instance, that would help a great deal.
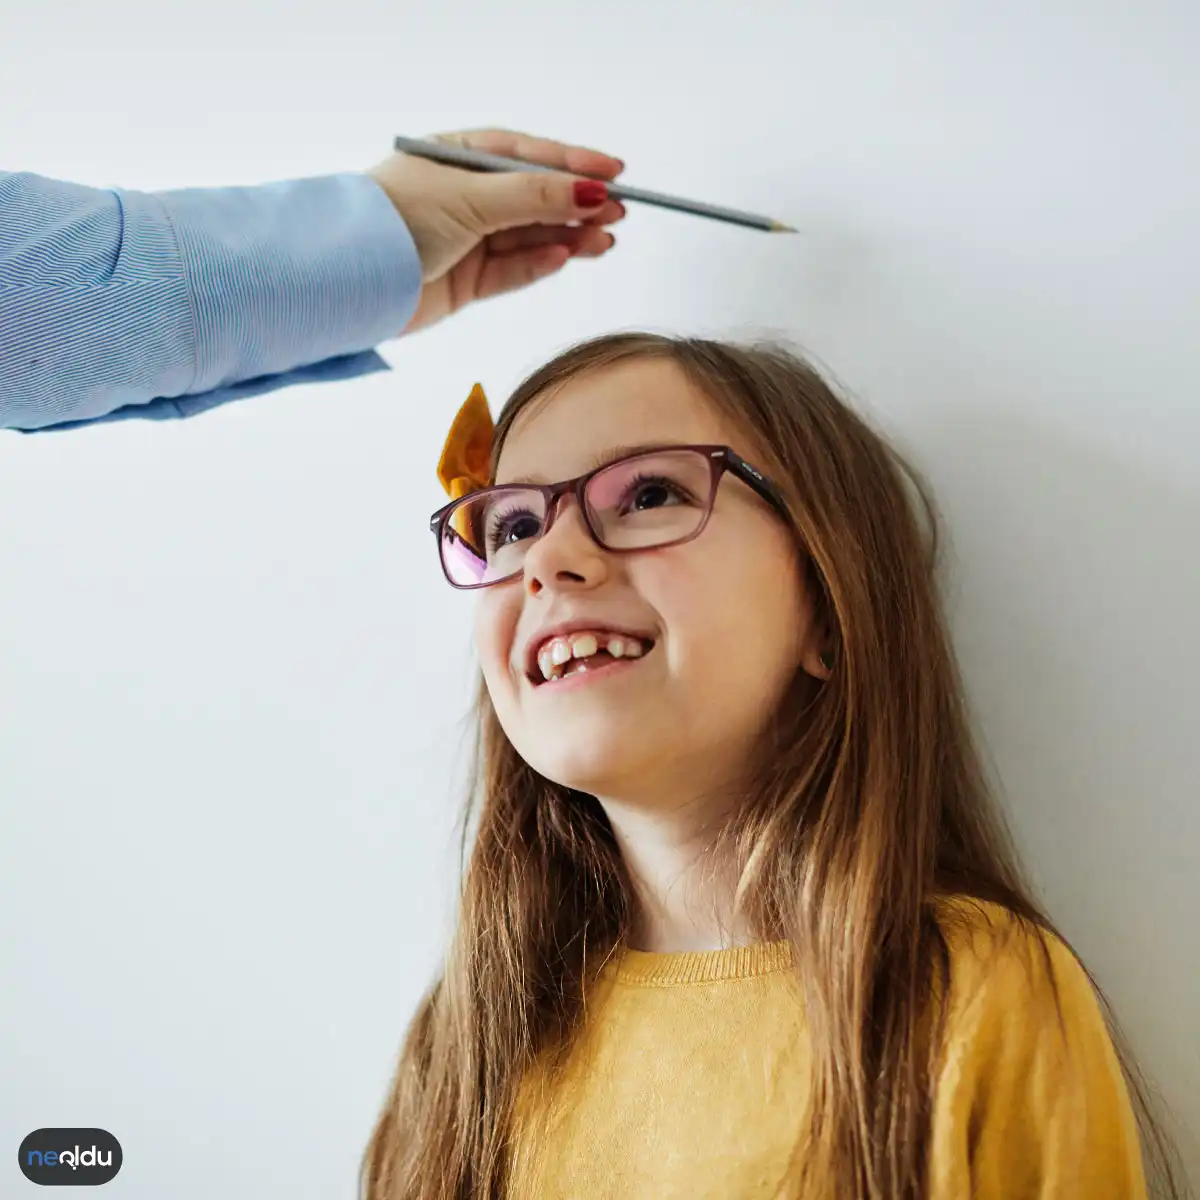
(721, 460)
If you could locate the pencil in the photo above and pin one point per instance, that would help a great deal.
(476, 160)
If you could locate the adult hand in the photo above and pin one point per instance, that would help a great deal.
(479, 234)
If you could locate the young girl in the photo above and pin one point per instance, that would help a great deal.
(739, 917)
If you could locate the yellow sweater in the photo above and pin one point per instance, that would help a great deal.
(690, 1082)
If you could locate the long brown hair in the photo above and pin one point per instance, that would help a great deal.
(870, 802)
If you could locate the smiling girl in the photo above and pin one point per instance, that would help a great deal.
(739, 917)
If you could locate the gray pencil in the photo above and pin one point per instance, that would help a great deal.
(476, 160)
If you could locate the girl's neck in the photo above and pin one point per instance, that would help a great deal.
(682, 899)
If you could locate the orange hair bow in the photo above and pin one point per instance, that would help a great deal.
(465, 465)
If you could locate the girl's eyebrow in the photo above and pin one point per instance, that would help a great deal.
(602, 459)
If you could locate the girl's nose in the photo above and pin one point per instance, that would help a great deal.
(565, 553)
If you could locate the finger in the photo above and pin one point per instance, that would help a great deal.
(491, 202)
(529, 237)
(612, 212)
(594, 243)
(578, 160)
(582, 240)
(507, 272)
(525, 236)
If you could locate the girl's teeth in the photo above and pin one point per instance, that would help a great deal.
(557, 653)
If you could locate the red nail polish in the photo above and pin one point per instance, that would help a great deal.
(590, 193)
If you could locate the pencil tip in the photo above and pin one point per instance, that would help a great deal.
(780, 227)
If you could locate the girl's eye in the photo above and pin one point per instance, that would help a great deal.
(653, 491)
(508, 527)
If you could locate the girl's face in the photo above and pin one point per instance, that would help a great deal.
(729, 615)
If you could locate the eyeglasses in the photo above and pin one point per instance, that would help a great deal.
(645, 501)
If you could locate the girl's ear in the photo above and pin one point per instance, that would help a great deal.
(817, 661)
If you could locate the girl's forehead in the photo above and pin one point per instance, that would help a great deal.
(562, 432)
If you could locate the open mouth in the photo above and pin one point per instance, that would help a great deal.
(581, 653)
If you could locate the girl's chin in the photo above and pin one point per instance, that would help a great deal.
(596, 763)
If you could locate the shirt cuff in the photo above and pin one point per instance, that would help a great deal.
(287, 275)
(349, 366)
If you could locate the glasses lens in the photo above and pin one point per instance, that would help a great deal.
(486, 536)
(651, 499)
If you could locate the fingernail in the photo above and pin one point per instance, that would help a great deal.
(590, 193)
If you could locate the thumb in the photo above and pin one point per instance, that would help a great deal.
(508, 200)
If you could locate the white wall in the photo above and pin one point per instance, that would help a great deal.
(230, 674)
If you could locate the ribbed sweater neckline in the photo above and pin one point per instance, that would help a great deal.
(699, 966)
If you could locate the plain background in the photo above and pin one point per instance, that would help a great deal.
(232, 682)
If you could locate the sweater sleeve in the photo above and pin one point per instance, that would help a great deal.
(117, 303)
(1031, 1102)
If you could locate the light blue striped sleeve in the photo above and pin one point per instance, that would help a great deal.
(117, 304)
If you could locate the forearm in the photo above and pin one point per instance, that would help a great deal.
(122, 303)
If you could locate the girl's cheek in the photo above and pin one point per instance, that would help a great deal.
(495, 624)
(489, 622)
